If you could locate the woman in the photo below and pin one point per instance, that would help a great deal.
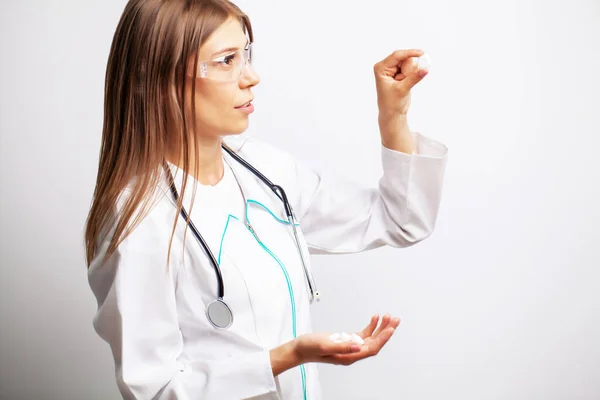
(178, 94)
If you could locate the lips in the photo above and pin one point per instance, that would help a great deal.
(245, 104)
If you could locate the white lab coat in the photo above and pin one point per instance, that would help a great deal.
(153, 314)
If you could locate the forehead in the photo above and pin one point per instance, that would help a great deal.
(230, 35)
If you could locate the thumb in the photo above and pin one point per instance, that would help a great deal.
(398, 56)
(344, 348)
(412, 78)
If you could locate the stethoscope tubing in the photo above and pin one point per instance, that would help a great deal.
(279, 192)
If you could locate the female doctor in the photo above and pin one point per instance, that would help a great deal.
(198, 241)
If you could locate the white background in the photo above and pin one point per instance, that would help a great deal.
(501, 302)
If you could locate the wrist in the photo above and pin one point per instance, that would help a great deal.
(395, 132)
(284, 357)
(392, 117)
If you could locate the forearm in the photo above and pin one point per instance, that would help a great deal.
(284, 357)
(395, 133)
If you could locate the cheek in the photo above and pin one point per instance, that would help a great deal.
(214, 100)
(215, 109)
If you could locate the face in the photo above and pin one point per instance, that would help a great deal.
(218, 110)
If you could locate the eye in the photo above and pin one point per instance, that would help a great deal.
(226, 60)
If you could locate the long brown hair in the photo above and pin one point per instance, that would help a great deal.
(144, 107)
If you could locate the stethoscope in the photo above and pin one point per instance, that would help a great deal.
(218, 312)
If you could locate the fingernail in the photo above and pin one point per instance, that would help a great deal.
(354, 348)
(423, 72)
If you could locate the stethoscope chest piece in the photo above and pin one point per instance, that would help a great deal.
(219, 314)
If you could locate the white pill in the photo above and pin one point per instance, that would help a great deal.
(345, 337)
(334, 336)
(424, 61)
(357, 339)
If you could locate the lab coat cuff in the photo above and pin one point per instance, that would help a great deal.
(430, 155)
(259, 379)
(266, 368)
(425, 147)
(238, 377)
(412, 184)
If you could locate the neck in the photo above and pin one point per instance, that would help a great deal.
(205, 161)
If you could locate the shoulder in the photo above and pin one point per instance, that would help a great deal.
(149, 225)
(141, 256)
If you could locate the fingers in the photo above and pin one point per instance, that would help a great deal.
(349, 352)
(348, 348)
(381, 340)
(386, 321)
(396, 58)
(410, 79)
(366, 351)
(401, 67)
(384, 324)
(368, 331)
(377, 342)
(410, 74)
(376, 337)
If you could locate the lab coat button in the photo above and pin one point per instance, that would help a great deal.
(180, 366)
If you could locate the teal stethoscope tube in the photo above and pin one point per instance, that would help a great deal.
(218, 312)
(218, 307)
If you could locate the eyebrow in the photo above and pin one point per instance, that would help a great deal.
(229, 49)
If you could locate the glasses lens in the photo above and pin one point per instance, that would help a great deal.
(228, 67)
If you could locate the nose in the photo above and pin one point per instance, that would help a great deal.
(249, 76)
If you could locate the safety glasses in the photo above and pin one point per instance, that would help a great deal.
(227, 68)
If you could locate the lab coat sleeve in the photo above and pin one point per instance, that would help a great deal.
(337, 216)
(137, 316)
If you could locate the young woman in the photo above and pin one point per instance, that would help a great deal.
(198, 241)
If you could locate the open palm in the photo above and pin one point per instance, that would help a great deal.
(375, 338)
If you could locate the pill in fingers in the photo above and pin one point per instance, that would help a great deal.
(424, 61)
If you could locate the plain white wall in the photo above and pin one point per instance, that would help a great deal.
(501, 302)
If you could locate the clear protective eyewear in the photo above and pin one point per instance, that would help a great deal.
(227, 68)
